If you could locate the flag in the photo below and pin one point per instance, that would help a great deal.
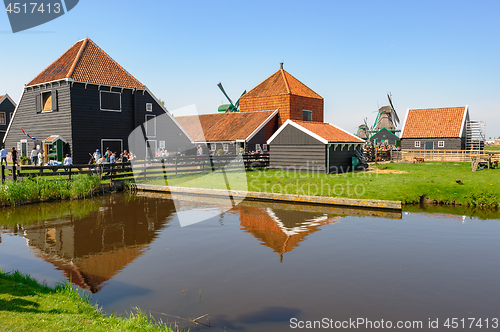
(33, 138)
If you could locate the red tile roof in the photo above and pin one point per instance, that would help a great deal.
(223, 127)
(434, 122)
(86, 62)
(329, 132)
(280, 83)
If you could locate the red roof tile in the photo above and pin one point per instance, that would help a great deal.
(279, 83)
(223, 127)
(86, 62)
(329, 132)
(434, 122)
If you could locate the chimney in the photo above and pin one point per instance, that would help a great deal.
(281, 65)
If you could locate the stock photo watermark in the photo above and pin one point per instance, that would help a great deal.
(24, 15)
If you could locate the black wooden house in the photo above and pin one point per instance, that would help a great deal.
(91, 102)
(7, 107)
(318, 147)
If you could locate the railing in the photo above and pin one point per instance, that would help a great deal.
(447, 155)
(142, 168)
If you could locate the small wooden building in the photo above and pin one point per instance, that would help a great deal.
(385, 137)
(7, 107)
(435, 129)
(92, 102)
(231, 132)
(292, 98)
(318, 147)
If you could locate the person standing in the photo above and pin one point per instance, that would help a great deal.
(13, 154)
(40, 157)
(34, 156)
(3, 156)
(107, 154)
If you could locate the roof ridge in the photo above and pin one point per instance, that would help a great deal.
(78, 56)
(286, 82)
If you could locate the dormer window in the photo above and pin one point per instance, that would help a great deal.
(307, 115)
(46, 101)
(149, 107)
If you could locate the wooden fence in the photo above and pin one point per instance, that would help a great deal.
(142, 168)
(447, 155)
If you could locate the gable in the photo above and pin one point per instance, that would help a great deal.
(86, 62)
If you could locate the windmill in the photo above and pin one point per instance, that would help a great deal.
(363, 130)
(386, 118)
(229, 107)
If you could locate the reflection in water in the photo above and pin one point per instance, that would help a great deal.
(91, 249)
(281, 230)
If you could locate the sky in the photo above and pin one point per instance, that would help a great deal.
(428, 54)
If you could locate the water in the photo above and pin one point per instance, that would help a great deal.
(259, 265)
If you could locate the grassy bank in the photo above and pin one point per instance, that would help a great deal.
(41, 189)
(404, 182)
(27, 305)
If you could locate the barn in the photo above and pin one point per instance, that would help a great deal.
(441, 129)
(317, 147)
(231, 132)
(7, 107)
(91, 102)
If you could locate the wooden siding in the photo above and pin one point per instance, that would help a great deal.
(91, 125)
(293, 136)
(449, 143)
(263, 135)
(41, 125)
(8, 108)
(299, 158)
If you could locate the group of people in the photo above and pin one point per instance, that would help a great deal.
(110, 157)
(37, 156)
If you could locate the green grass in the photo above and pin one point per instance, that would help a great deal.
(404, 182)
(41, 189)
(26, 305)
(492, 148)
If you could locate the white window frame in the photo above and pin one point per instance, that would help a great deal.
(113, 140)
(4, 118)
(440, 144)
(100, 101)
(225, 147)
(264, 147)
(310, 113)
(258, 148)
(149, 107)
(151, 117)
(213, 147)
(417, 144)
(161, 144)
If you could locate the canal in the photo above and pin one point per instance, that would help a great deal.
(263, 266)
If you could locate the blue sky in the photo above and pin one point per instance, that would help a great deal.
(427, 53)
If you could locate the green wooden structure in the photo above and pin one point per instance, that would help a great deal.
(54, 148)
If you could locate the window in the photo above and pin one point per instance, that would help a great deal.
(149, 107)
(307, 115)
(417, 144)
(264, 147)
(111, 101)
(225, 147)
(2, 119)
(213, 146)
(162, 144)
(258, 148)
(46, 102)
(440, 144)
(151, 125)
(11, 116)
